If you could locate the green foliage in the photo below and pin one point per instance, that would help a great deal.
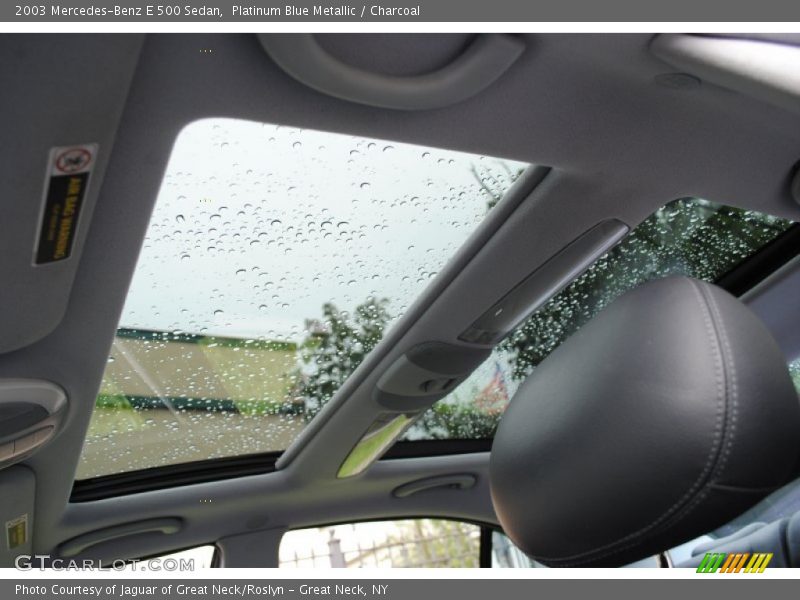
(686, 237)
(338, 342)
(147, 335)
(335, 346)
(794, 370)
(456, 422)
(113, 401)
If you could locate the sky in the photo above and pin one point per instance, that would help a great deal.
(256, 226)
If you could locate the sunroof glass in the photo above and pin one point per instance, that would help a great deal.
(275, 260)
(690, 236)
(794, 370)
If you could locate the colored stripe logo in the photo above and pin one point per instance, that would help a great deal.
(742, 562)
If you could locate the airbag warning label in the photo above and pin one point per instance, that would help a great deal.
(17, 531)
(67, 180)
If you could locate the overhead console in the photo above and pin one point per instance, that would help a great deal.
(425, 374)
(428, 372)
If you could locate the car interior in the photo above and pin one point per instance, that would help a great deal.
(423, 300)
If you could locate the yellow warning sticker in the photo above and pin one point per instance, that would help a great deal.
(67, 179)
(17, 531)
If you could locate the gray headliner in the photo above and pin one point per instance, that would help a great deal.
(620, 146)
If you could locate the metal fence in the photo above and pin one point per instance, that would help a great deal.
(411, 543)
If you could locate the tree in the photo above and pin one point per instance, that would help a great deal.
(494, 179)
(335, 346)
(338, 342)
(450, 421)
(686, 237)
(794, 370)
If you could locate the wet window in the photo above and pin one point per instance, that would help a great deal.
(275, 260)
(794, 371)
(687, 237)
(406, 543)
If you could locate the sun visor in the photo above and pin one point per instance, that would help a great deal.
(58, 128)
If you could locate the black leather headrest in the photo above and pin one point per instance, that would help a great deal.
(664, 417)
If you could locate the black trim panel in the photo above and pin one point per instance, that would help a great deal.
(157, 478)
(423, 448)
(485, 556)
(756, 268)
(216, 469)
